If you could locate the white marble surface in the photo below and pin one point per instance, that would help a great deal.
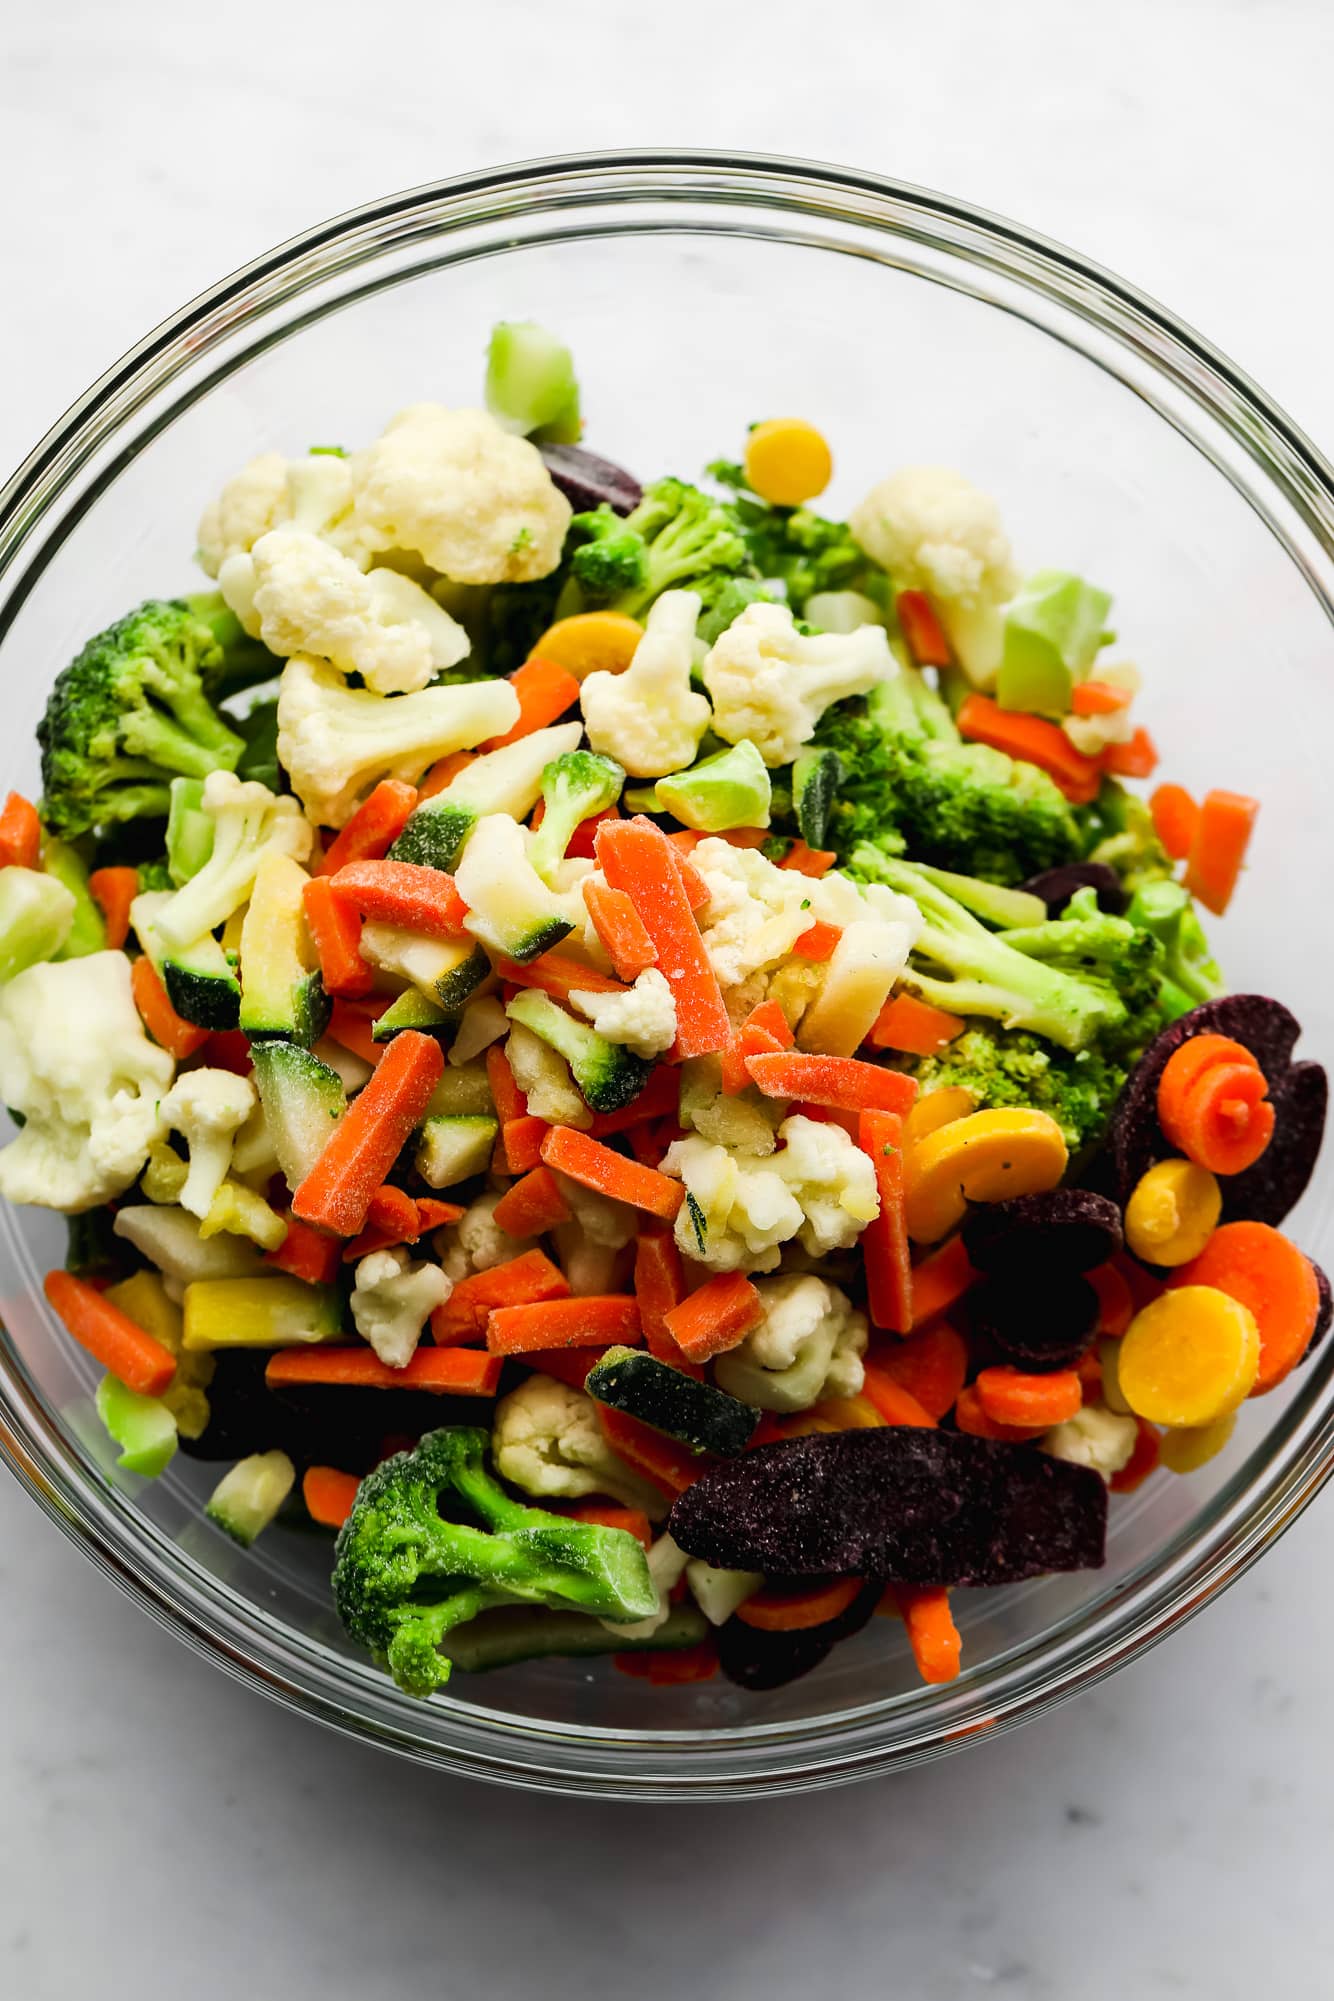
(164, 1831)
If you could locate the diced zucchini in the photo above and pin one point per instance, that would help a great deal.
(36, 915)
(91, 1250)
(272, 1312)
(411, 1010)
(705, 1419)
(143, 1426)
(247, 1498)
(447, 971)
(609, 1075)
(502, 781)
(145, 1298)
(303, 1100)
(510, 908)
(465, 1089)
(200, 983)
(88, 931)
(510, 1634)
(455, 1146)
(169, 1238)
(282, 994)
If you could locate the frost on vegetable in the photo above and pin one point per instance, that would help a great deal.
(648, 717)
(770, 684)
(808, 1346)
(392, 1300)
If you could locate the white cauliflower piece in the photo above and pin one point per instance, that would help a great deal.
(475, 502)
(476, 1241)
(543, 1075)
(601, 1219)
(666, 1566)
(719, 1592)
(770, 684)
(252, 502)
(737, 1211)
(1096, 1437)
(1091, 735)
(208, 1108)
(808, 1346)
(546, 1439)
(746, 1123)
(393, 1299)
(934, 531)
(648, 717)
(644, 1019)
(75, 1061)
(755, 912)
(249, 822)
(833, 1180)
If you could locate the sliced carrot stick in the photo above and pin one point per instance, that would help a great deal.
(1142, 1461)
(931, 1367)
(329, 1494)
(1099, 698)
(607, 1515)
(522, 1140)
(922, 629)
(620, 927)
(670, 1667)
(335, 932)
(1089, 1370)
(1116, 1308)
(567, 1365)
(596, 1166)
(459, 1372)
(716, 1317)
(692, 882)
(113, 890)
(1137, 758)
(116, 1341)
(1226, 823)
(391, 1220)
(973, 1420)
(893, 1401)
(179, 1038)
(532, 1206)
(660, 1287)
(940, 1281)
(433, 1214)
(307, 1254)
(733, 1074)
(1175, 819)
(801, 860)
(1262, 1269)
(885, 1239)
(521, 1281)
(508, 1099)
(769, 1019)
(599, 1320)
(1017, 1397)
(545, 690)
(1032, 740)
(582, 842)
(373, 828)
(20, 833)
(636, 857)
(772, 1611)
(659, 1099)
(369, 1137)
(671, 1467)
(841, 1081)
(913, 1026)
(403, 893)
(444, 773)
(932, 1633)
(560, 975)
(817, 941)
(350, 1025)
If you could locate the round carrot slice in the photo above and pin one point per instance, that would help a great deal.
(796, 1611)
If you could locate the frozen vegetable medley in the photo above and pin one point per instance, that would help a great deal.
(633, 1051)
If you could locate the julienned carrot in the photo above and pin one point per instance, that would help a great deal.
(817, 941)
(932, 1633)
(596, 1166)
(608, 1515)
(113, 890)
(922, 629)
(733, 1074)
(373, 828)
(531, 1206)
(620, 927)
(940, 1281)
(508, 1099)
(583, 841)
(369, 1137)
(930, 1367)
(350, 1024)
(545, 690)
(601, 1320)
(893, 1401)
(801, 860)
(670, 1667)
(1264, 1270)
(433, 1214)
(1175, 819)
(973, 1420)
(716, 1317)
(913, 1026)
(670, 1466)
(885, 1238)
(306, 1254)
(444, 773)
(773, 1611)
(329, 1494)
(558, 974)
(568, 1365)
(840, 1081)
(692, 882)
(522, 1140)
(1136, 758)
(20, 833)
(1142, 1461)
(1017, 1397)
(335, 932)
(660, 1286)
(391, 1219)
(459, 1372)
(769, 1020)
(1227, 820)
(1116, 1308)
(659, 1099)
(521, 1281)
(636, 856)
(179, 1038)
(403, 893)
(1213, 1104)
(116, 1341)
(1032, 740)
(1099, 698)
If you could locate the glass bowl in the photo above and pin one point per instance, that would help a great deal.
(701, 292)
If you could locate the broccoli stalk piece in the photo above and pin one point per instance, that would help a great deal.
(128, 714)
(574, 788)
(405, 1573)
(242, 662)
(675, 537)
(1191, 974)
(608, 1074)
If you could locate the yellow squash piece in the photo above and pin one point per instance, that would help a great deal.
(1172, 1213)
(936, 1109)
(787, 461)
(147, 1302)
(277, 1312)
(986, 1157)
(1189, 1358)
(592, 642)
(1186, 1451)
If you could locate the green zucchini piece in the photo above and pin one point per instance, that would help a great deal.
(200, 983)
(411, 1010)
(143, 1426)
(36, 916)
(302, 1098)
(815, 780)
(190, 830)
(282, 993)
(510, 1634)
(508, 780)
(700, 1416)
(447, 971)
(455, 1146)
(465, 1088)
(247, 1498)
(88, 931)
(510, 908)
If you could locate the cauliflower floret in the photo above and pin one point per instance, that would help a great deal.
(249, 822)
(934, 531)
(589, 1245)
(737, 1211)
(770, 684)
(476, 1241)
(755, 912)
(644, 1019)
(746, 1122)
(543, 1075)
(808, 1346)
(1096, 1437)
(833, 1180)
(477, 503)
(392, 1300)
(1091, 735)
(547, 1440)
(75, 1061)
(208, 1108)
(648, 717)
(252, 502)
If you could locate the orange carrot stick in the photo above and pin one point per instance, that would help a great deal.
(179, 1038)
(116, 1341)
(930, 1367)
(660, 1286)
(113, 890)
(20, 833)
(369, 1137)
(596, 1166)
(817, 941)
(531, 1206)
(601, 1320)
(620, 927)
(545, 691)
(1032, 740)
(1226, 823)
(521, 1281)
(350, 1024)
(509, 1100)
(373, 828)
(444, 773)
(692, 882)
(922, 629)
(558, 974)
(432, 1214)
(772, 1611)
(973, 1420)
(335, 932)
(1116, 1308)
(670, 1466)
(1137, 758)
(1099, 698)
(404, 893)
(894, 1402)
(329, 1494)
(636, 857)
(1260, 1267)
(716, 1317)
(522, 1140)
(307, 1254)
(940, 1281)
(932, 1633)
(1175, 819)
(1016, 1397)
(391, 1220)
(840, 1081)
(659, 1099)
(801, 860)
(885, 1240)
(914, 1027)
(568, 1365)
(459, 1372)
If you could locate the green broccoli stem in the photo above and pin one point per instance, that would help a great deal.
(87, 932)
(192, 740)
(904, 705)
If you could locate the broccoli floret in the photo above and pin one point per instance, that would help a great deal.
(610, 558)
(1119, 830)
(801, 549)
(1002, 1069)
(405, 1572)
(1088, 942)
(724, 599)
(677, 536)
(129, 714)
(1191, 974)
(608, 1074)
(243, 662)
(574, 788)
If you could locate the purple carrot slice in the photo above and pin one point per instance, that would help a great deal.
(1062, 1230)
(587, 481)
(1057, 885)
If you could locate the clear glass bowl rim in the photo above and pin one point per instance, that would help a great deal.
(751, 1761)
